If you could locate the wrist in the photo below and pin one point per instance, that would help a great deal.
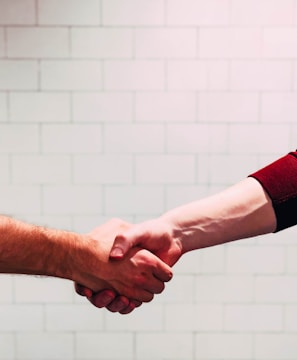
(176, 230)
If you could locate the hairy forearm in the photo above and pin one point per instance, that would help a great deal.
(239, 212)
(30, 249)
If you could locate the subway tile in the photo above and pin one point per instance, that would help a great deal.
(7, 344)
(21, 318)
(253, 317)
(261, 75)
(224, 288)
(291, 264)
(82, 318)
(39, 169)
(194, 75)
(239, 167)
(165, 43)
(148, 317)
(20, 199)
(279, 107)
(71, 75)
(275, 289)
(213, 261)
(3, 108)
(133, 12)
(134, 138)
(196, 139)
(71, 139)
(19, 139)
(227, 346)
(188, 265)
(280, 43)
(229, 107)
(187, 75)
(72, 199)
(2, 42)
(89, 345)
(199, 13)
(18, 75)
(295, 76)
(163, 345)
(18, 12)
(37, 42)
(165, 107)
(262, 12)
(248, 139)
(165, 169)
(34, 290)
(275, 346)
(290, 317)
(69, 12)
(230, 43)
(131, 200)
(255, 260)
(39, 107)
(134, 75)
(6, 282)
(181, 288)
(102, 169)
(190, 317)
(102, 107)
(43, 346)
(101, 43)
(177, 195)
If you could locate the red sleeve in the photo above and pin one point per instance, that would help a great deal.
(279, 179)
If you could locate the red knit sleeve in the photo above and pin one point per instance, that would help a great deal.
(279, 179)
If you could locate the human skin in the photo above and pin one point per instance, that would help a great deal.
(241, 211)
(82, 258)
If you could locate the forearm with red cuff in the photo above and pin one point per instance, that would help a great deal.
(279, 180)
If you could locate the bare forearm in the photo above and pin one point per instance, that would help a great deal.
(239, 212)
(29, 249)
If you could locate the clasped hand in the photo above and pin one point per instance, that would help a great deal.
(136, 264)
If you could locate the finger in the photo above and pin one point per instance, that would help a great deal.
(103, 298)
(152, 285)
(125, 241)
(136, 303)
(120, 303)
(129, 308)
(143, 295)
(162, 271)
(120, 247)
(82, 290)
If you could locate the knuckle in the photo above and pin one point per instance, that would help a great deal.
(148, 297)
(160, 288)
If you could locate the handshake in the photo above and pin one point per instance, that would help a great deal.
(119, 266)
(127, 264)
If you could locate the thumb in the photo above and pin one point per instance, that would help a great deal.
(120, 247)
(124, 242)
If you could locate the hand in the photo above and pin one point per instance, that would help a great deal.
(154, 235)
(138, 277)
(108, 299)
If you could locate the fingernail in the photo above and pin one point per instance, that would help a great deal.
(117, 252)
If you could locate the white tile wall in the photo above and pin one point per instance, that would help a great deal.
(128, 108)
